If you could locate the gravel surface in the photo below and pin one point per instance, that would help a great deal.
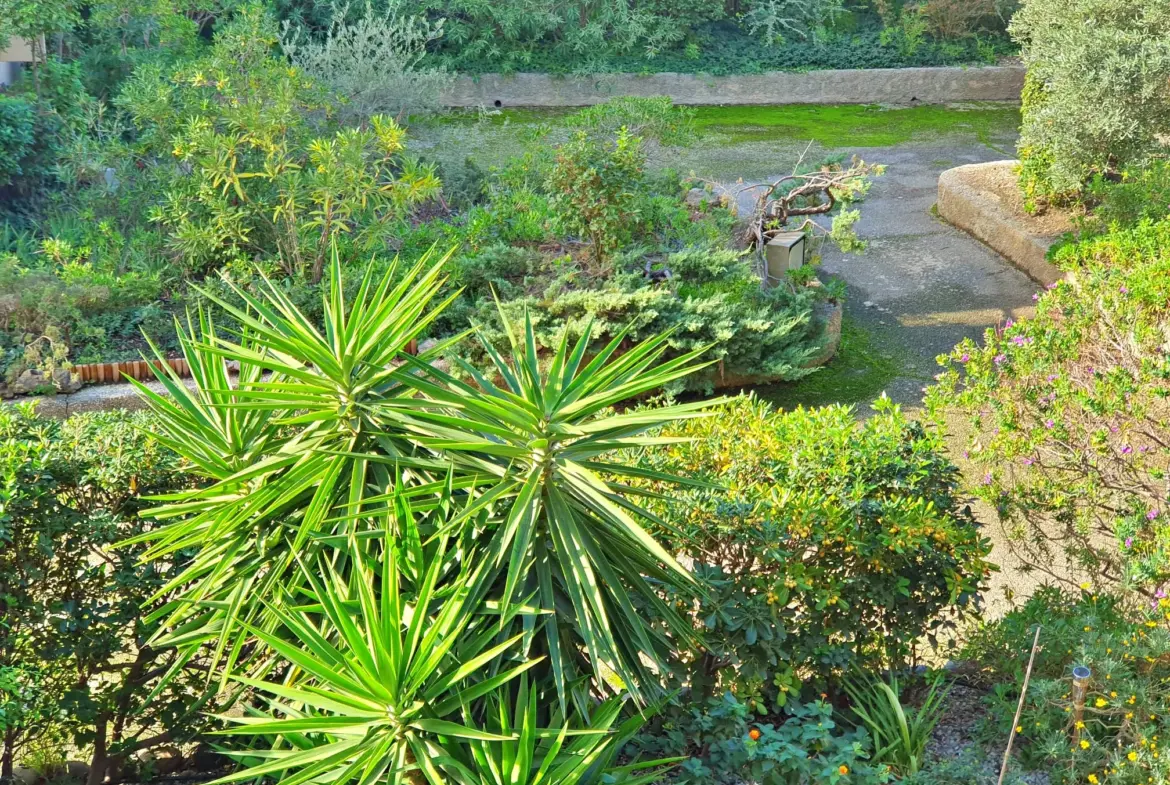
(954, 737)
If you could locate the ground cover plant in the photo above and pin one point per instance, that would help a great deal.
(1116, 734)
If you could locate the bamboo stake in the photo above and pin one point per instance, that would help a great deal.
(1007, 754)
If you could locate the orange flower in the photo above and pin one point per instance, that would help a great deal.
(842, 769)
(754, 734)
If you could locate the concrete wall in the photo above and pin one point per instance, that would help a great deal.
(873, 86)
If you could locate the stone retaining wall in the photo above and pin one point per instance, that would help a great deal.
(862, 86)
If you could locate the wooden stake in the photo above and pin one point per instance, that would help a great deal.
(1007, 754)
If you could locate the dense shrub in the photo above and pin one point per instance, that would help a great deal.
(826, 544)
(234, 158)
(713, 299)
(1126, 716)
(728, 744)
(73, 648)
(1069, 413)
(1098, 93)
(725, 48)
(16, 136)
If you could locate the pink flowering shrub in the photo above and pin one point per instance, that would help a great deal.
(1069, 412)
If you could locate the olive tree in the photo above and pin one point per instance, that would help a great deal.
(1098, 92)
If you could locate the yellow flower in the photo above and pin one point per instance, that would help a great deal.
(1101, 703)
(1080, 725)
(1019, 729)
(1112, 694)
(1093, 779)
(1132, 755)
(1084, 744)
(1129, 715)
(1086, 585)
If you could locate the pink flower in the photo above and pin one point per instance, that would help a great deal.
(1152, 514)
(1053, 377)
(999, 359)
(1123, 290)
(1126, 450)
(1028, 461)
(1049, 423)
(1129, 542)
(1036, 297)
(987, 479)
(965, 358)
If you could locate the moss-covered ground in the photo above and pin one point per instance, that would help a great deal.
(856, 375)
(858, 126)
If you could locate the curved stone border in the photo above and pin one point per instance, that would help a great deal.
(982, 214)
(857, 86)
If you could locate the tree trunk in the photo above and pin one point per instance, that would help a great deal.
(9, 753)
(100, 759)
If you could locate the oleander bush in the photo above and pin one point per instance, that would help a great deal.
(1068, 413)
(826, 545)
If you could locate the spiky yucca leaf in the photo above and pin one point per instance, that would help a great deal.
(569, 532)
(566, 753)
(381, 669)
(316, 452)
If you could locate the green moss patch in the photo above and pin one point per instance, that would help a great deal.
(857, 126)
(857, 374)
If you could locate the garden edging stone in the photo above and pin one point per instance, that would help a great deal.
(969, 200)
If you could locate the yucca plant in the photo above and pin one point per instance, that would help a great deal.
(378, 670)
(528, 754)
(513, 462)
(311, 454)
(569, 533)
(899, 734)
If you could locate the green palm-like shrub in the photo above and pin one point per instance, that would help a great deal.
(830, 545)
(1068, 414)
(346, 422)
